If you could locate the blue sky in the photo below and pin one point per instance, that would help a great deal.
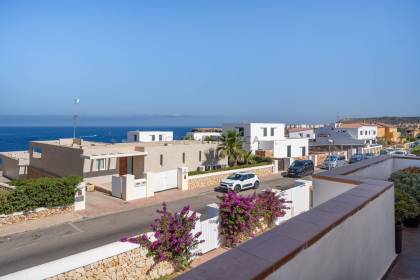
(264, 60)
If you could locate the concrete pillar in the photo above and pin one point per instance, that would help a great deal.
(80, 197)
(275, 166)
(127, 187)
(150, 190)
(183, 178)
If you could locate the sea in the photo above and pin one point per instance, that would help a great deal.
(18, 138)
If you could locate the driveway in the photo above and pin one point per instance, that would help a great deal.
(23, 250)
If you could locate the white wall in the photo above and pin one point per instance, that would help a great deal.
(150, 136)
(324, 190)
(254, 132)
(362, 247)
(280, 147)
(380, 171)
(200, 136)
(303, 134)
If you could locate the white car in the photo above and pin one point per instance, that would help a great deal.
(240, 181)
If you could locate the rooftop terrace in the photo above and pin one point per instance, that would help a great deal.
(349, 234)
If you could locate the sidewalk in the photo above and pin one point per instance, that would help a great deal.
(100, 204)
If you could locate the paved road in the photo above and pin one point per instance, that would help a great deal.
(36, 247)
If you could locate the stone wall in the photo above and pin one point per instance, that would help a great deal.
(213, 179)
(34, 215)
(133, 264)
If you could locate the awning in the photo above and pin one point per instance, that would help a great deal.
(114, 155)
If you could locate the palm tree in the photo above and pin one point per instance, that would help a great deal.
(230, 146)
(247, 157)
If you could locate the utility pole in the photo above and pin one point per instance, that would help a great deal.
(75, 116)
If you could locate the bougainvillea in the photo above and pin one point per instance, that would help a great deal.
(237, 217)
(173, 240)
(270, 206)
(241, 215)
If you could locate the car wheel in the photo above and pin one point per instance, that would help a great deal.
(237, 188)
(256, 184)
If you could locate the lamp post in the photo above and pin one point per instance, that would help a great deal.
(76, 101)
(330, 142)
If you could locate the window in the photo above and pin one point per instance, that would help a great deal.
(160, 137)
(100, 164)
(374, 132)
(361, 132)
(303, 151)
(153, 137)
(264, 131)
(289, 151)
(135, 137)
(241, 131)
(1, 161)
(308, 135)
(161, 160)
(199, 156)
(272, 131)
(183, 158)
(36, 152)
(365, 132)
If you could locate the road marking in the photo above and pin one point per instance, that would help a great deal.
(75, 227)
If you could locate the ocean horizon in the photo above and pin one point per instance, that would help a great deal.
(18, 138)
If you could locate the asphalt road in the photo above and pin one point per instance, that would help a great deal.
(24, 250)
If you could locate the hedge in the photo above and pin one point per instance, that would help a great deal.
(198, 172)
(34, 193)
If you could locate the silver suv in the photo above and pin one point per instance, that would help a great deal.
(334, 161)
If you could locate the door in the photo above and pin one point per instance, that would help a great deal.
(248, 181)
(123, 166)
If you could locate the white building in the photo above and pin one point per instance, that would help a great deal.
(301, 132)
(269, 136)
(149, 136)
(360, 131)
(200, 134)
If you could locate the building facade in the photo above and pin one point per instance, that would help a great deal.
(149, 136)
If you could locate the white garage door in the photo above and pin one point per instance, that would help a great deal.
(165, 180)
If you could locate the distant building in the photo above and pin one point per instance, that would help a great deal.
(202, 134)
(300, 132)
(14, 165)
(149, 136)
(269, 137)
(355, 137)
(388, 132)
(97, 162)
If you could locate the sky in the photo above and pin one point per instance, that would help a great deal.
(291, 61)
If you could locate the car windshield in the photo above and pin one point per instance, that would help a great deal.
(331, 158)
(298, 163)
(356, 156)
(235, 176)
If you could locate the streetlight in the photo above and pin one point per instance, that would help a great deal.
(330, 142)
(76, 101)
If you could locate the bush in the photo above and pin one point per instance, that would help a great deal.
(406, 206)
(407, 181)
(416, 150)
(270, 207)
(238, 217)
(174, 239)
(44, 192)
(241, 215)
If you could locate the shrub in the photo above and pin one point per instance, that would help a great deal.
(174, 238)
(416, 150)
(44, 192)
(270, 207)
(238, 217)
(405, 206)
(407, 181)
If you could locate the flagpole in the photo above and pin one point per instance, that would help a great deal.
(76, 101)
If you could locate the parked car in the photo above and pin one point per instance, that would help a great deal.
(356, 158)
(387, 152)
(400, 152)
(369, 155)
(333, 162)
(300, 168)
(240, 181)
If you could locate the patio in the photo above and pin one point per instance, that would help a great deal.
(407, 265)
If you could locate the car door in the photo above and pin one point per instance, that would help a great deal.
(248, 181)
